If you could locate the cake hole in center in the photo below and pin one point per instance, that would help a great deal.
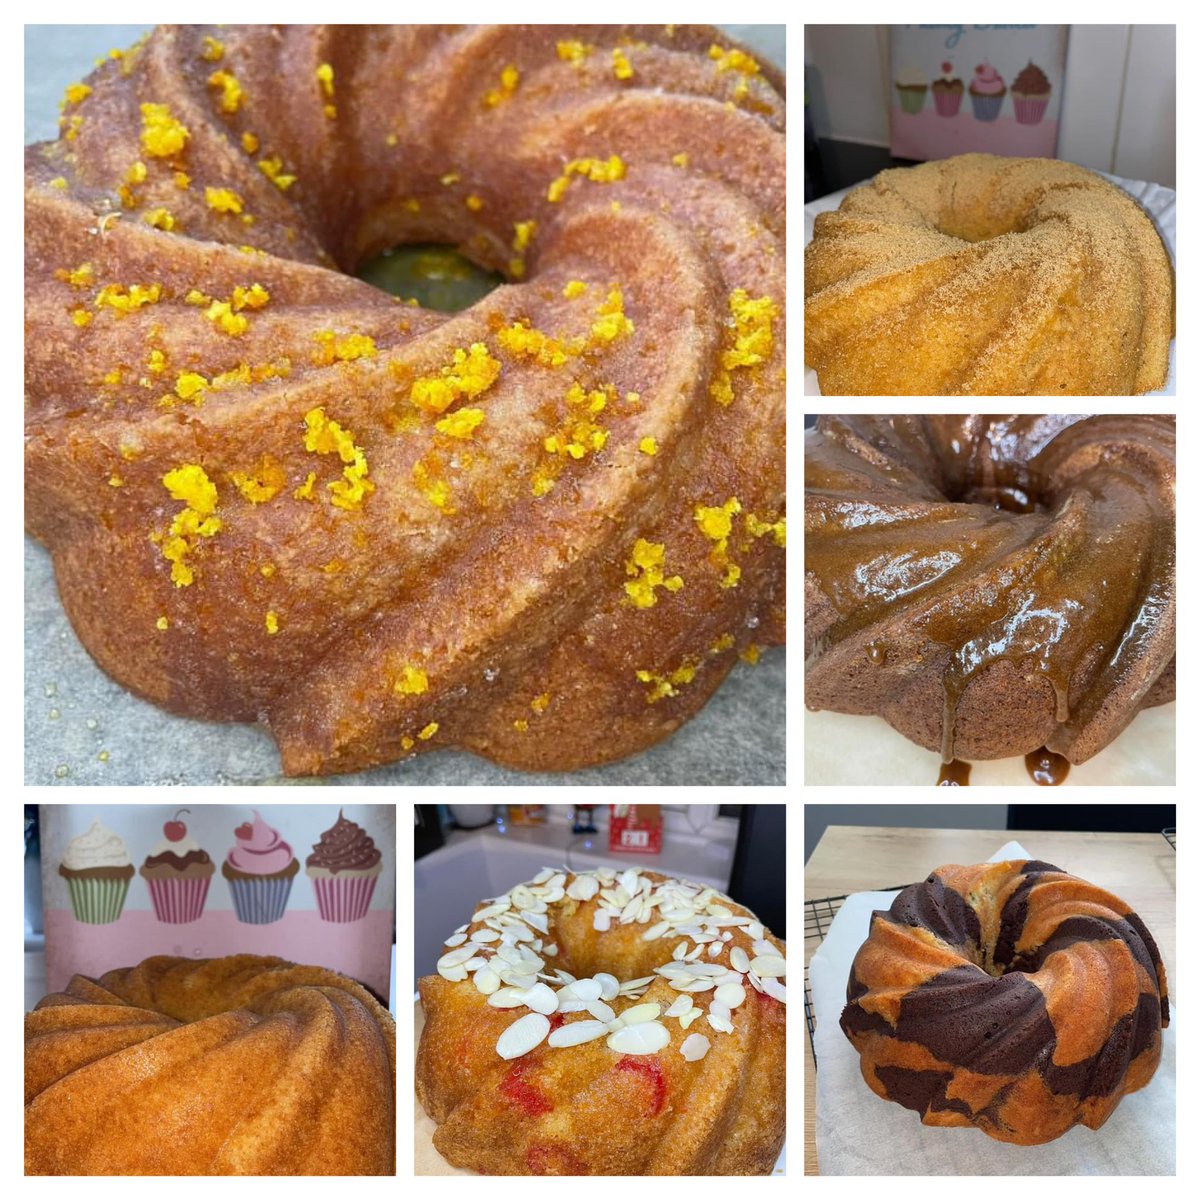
(436, 276)
(1002, 497)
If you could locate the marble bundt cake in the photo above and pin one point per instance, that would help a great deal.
(607, 1023)
(980, 275)
(544, 528)
(222, 1066)
(1009, 996)
(991, 585)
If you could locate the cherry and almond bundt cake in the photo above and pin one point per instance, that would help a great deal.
(981, 275)
(1009, 996)
(607, 1023)
(222, 1066)
(991, 585)
(544, 528)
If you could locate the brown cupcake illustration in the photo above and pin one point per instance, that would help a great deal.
(343, 867)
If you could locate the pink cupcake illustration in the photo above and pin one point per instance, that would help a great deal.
(948, 92)
(97, 868)
(987, 92)
(178, 873)
(259, 870)
(1031, 95)
(343, 867)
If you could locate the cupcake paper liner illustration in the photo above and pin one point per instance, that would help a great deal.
(344, 867)
(259, 870)
(97, 868)
(1031, 95)
(177, 873)
(912, 86)
(987, 92)
(948, 92)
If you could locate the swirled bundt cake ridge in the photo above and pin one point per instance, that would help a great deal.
(1010, 996)
(243, 1065)
(991, 585)
(544, 528)
(607, 1023)
(982, 275)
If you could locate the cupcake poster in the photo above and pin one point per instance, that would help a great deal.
(993, 88)
(309, 883)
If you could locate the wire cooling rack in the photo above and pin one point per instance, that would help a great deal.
(1169, 834)
(818, 916)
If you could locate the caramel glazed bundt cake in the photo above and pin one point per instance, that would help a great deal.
(991, 585)
(543, 529)
(606, 1023)
(222, 1066)
(980, 275)
(1009, 996)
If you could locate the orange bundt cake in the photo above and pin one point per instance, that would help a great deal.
(991, 585)
(1009, 996)
(544, 528)
(222, 1066)
(607, 1023)
(980, 275)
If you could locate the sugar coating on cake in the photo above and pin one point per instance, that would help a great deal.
(543, 529)
(991, 585)
(607, 1023)
(227, 1066)
(1010, 996)
(982, 275)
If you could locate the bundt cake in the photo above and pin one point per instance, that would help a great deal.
(991, 585)
(607, 1023)
(222, 1066)
(543, 529)
(980, 275)
(1009, 996)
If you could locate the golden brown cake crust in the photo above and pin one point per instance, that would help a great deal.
(274, 493)
(242, 1065)
(599, 1107)
(983, 275)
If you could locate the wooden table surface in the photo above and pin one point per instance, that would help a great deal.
(1138, 867)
